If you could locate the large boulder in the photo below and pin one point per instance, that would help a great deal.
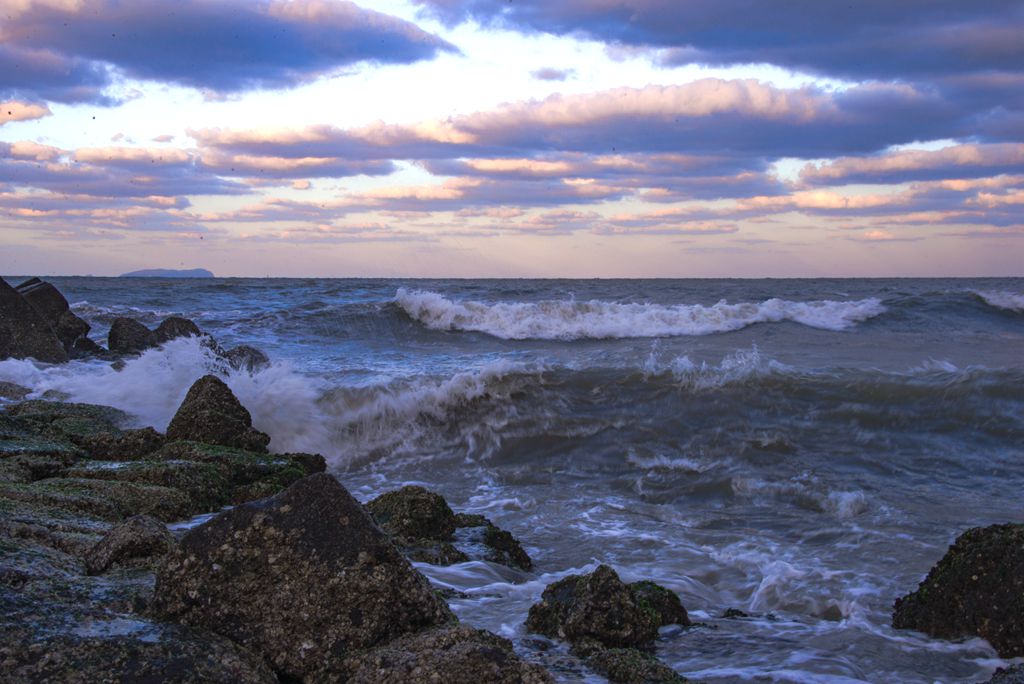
(46, 299)
(173, 327)
(454, 655)
(304, 578)
(210, 413)
(598, 607)
(128, 336)
(977, 589)
(413, 513)
(24, 333)
(140, 536)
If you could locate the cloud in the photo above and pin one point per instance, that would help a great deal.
(70, 51)
(872, 39)
(956, 162)
(12, 111)
(552, 74)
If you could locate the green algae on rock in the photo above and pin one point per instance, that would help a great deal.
(976, 589)
(212, 414)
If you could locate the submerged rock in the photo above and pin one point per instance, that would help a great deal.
(453, 655)
(1008, 675)
(664, 602)
(140, 536)
(627, 665)
(598, 606)
(244, 357)
(977, 589)
(128, 336)
(304, 578)
(212, 414)
(24, 332)
(10, 390)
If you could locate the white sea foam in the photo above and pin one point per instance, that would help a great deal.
(572, 320)
(735, 367)
(843, 504)
(1002, 299)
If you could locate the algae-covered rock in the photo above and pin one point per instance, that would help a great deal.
(11, 390)
(140, 536)
(629, 666)
(127, 445)
(206, 485)
(1008, 675)
(210, 413)
(598, 606)
(977, 589)
(664, 602)
(414, 513)
(453, 655)
(250, 475)
(128, 336)
(68, 421)
(304, 578)
(24, 333)
(104, 499)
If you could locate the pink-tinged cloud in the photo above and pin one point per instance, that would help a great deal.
(13, 110)
(954, 162)
(217, 45)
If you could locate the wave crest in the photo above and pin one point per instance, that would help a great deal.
(595, 319)
(1002, 299)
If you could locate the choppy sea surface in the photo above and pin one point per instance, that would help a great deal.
(801, 450)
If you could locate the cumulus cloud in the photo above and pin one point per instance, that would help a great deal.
(12, 110)
(70, 51)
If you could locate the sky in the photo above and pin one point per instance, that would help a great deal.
(525, 138)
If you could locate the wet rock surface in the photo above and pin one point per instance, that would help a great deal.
(976, 589)
(1008, 675)
(51, 305)
(627, 665)
(128, 336)
(174, 327)
(211, 414)
(138, 537)
(454, 655)
(24, 333)
(303, 578)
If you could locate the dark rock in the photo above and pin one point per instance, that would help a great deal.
(304, 578)
(598, 606)
(128, 336)
(83, 347)
(977, 589)
(246, 358)
(31, 467)
(24, 333)
(104, 499)
(153, 653)
(311, 463)
(502, 547)
(68, 421)
(206, 485)
(55, 310)
(453, 655)
(412, 513)
(733, 613)
(1008, 675)
(137, 537)
(250, 475)
(174, 327)
(9, 390)
(629, 666)
(662, 601)
(210, 413)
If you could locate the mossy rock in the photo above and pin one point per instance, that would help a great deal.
(662, 601)
(29, 467)
(502, 547)
(206, 484)
(126, 445)
(69, 420)
(631, 666)
(104, 499)
(414, 513)
(19, 436)
(977, 589)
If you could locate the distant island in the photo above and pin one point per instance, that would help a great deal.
(168, 273)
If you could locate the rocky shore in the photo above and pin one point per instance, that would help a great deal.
(196, 555)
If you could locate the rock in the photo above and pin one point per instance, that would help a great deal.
(128, 336)
(501, 547)
(9, 390)
(246, 358)
(598, 606)
(630, 666)
(311, 463)
(140, 536)
(68, 421)
(977, 589)
(210, 413)
(1008, 675)
(734, 613)
(413, 513)
(24, 333)
(147, 653)
(453, 655)
(250, 475)
(174, 327)
(55, 310)
(128, 445)
(664, 602)
(104, 499)
(304, 578)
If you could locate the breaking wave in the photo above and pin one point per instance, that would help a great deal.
(1009, 301)
(595, 319)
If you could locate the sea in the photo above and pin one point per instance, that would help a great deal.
(802, 451)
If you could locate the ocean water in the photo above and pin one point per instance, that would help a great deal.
(801, 450)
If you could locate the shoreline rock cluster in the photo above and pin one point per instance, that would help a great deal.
(290, 578)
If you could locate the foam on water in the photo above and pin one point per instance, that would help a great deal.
(1002, 299)
(595, 319)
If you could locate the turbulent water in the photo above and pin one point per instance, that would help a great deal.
(801, 450)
